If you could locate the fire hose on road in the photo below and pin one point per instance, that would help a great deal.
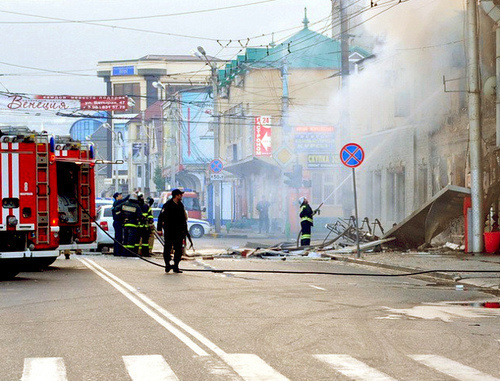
(212, 270)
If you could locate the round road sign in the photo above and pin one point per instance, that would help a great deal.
(352, 155)
(216, 166)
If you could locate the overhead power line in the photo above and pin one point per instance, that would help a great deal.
(62, 21)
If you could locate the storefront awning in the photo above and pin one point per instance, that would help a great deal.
(252, 165)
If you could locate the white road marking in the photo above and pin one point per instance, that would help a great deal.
(129, 293)
(149, 368)
(261, 372)
(452, 368)
(44, 369)
(318, 288)
(353, 368)
(252, 367)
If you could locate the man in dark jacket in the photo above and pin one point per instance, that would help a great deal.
(172, 220)
(117, 223)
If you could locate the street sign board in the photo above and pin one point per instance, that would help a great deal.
(314, 139)
(217, 176)
(320, 161)
(352, 155)
(216, 166)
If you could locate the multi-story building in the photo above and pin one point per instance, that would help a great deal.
(277, 117)
(145, 81)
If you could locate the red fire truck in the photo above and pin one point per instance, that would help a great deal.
(30, 219)
(76, 194)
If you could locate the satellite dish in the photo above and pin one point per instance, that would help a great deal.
(490, 87)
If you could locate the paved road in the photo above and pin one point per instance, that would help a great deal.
(107, 318)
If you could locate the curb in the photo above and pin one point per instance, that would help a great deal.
(438, 275)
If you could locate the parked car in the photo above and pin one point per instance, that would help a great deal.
(103, 201)
(197, 228)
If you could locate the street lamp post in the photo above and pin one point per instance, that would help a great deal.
(217, 183)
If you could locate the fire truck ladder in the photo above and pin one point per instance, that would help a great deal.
(86, 224)
(42, 190)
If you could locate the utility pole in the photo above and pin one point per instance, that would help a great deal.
(217, 183)
(215, 96)
(285, 100)
(345, 119)
(147, 171)
(475, 157)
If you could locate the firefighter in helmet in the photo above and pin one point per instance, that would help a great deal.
(147, 216)
(131, 216)
(151, 224)
(306, 221)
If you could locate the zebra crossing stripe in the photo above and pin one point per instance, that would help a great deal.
(44, 369)
(452, 368)
(252, 368)
(149, 368)
(353, 368)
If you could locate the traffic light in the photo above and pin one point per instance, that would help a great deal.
(294, 177)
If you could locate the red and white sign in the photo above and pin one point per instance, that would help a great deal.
(262, 136)
(61, 103)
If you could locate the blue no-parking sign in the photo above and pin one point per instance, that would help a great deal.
(352, 155)
(216, 166)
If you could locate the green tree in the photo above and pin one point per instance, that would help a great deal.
(158, 179)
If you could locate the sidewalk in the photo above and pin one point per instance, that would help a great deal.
(415, 261)
(412, 261)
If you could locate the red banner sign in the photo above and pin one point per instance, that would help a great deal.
(106, 103)
(262, 137)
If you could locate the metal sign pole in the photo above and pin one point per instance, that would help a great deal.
(352, 155)
(358, 253)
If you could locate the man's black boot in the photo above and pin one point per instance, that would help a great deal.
(177, 270)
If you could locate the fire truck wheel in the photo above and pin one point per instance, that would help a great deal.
(8, 273)
(43, 263)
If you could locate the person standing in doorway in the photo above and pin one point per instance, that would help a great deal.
(172, 220)
(306, 221)
(263, 209)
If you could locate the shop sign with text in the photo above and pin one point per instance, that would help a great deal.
(262, 136)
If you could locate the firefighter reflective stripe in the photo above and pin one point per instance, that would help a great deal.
(305, 218)
(15, 178)
(305, 236)
(129, 208)
(9, 168)
(5, 179)
(129, 225)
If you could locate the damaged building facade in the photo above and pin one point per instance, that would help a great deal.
(415, 125)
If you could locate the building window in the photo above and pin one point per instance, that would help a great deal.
(132, 90)
(402, 104)
(322, 187)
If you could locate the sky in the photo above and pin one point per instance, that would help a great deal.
(52, 47)
(39, 44)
